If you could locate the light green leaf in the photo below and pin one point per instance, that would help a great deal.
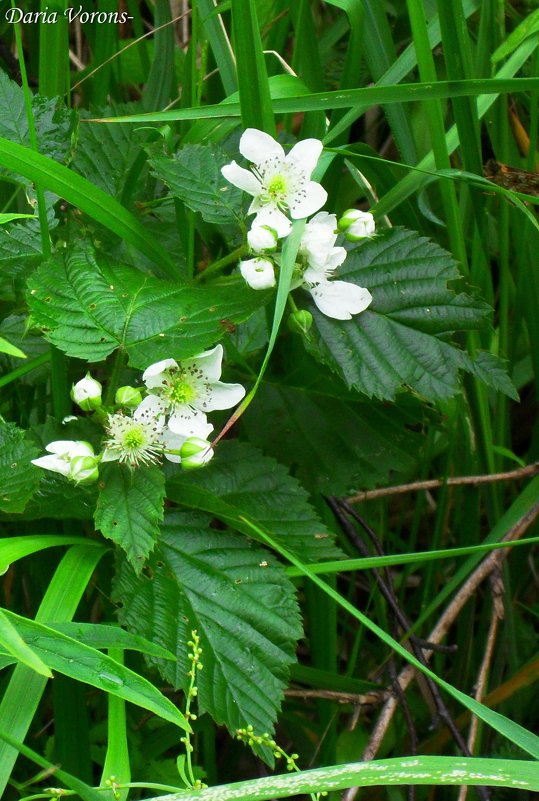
(527, 27)
(101, 635)
(130, 508)
(241, 482)
(90, 308)
(238, 599)
(11, 350)
(12, 642)
(14, 548)
(83, 663)
(194, 175)
(6, 218)
(402, 338)
(18, 477)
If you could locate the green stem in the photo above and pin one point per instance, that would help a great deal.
(25, 368)
(118, 365)
(218, 265)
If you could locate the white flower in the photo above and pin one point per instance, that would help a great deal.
(141, 439)
(262, 237)
(187, 390)
(86, 393)
(356, 224)
(336, 299)
(61, 454)
(280, 184)
(340, 299)
(195, 452)
(258, 273)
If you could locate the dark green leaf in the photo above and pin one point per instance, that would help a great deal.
(19, 478)
(241, 482)
(130, 508)
(194, 175)
(402, 338)
(90, 309)
(238, 599)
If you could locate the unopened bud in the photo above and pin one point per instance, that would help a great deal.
(128, 396)
(258, 273)
(86, 393)
(356, 224)
(262, 237)
(83, 469)
(300, 321)
(195, 452)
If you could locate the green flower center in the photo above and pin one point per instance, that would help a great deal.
(134, 438)
(182, 392)
(276, 187)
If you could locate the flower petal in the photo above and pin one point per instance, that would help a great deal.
(110, 455)
(223, 396)
(242, 178)
(340, 299)
(208, 362)
(304, 204)
(53, 463)
(190, 423)
(151, 408)
(173, 442)
(257, 146)
(153, 375)
(269, 214)
(305, 155)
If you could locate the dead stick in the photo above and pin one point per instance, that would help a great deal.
(436, 483)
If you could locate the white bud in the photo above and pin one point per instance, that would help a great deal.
(195, 452)
(86, 393)
(262, 237)
(356, 224)
(258, 273)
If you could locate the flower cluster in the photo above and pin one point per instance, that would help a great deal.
(282, 191)
(170, 420)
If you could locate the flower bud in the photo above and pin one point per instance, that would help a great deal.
(83, 469)
(300, 321)
(128, 396)
(356, 224)
(86, 393)
(258, 273)
(262, 237)
(195, 452)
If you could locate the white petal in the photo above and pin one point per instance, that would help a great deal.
(110, 455)
(308, 202)
(242, 178)
(336, 258)
(208, 362)
(223, 396)
(190, 423)
(153, 375)
(306, 154)
(269, 214)
(70, 448)
(53, 463)
(151, 408)
(340, 299)
(258, 273)
(258, 146)
(173, 442)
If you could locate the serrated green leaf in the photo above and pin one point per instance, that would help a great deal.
(194, 175)
(402, 338)
(130, 508)
(18, 477)
(335, 443)
(20, 249)
(92, 308)
(238, 599)
(241, 482)
(83, 663)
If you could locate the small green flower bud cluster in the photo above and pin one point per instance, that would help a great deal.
(247, 735)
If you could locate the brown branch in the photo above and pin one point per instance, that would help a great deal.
(436, 483)
(482, 571)
(365, 699)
